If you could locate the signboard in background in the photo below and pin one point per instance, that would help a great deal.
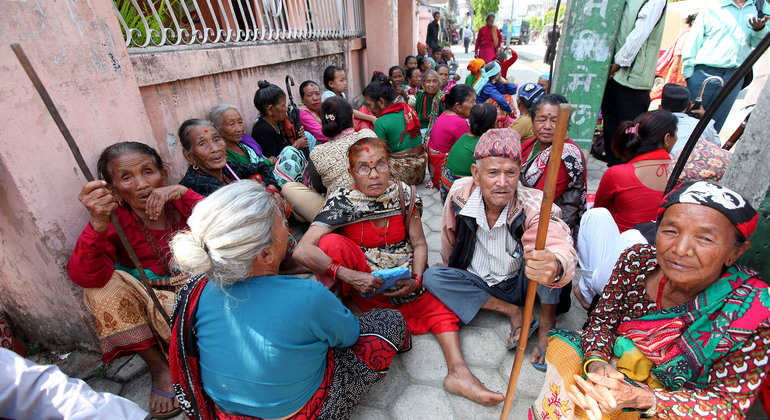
(583, 62)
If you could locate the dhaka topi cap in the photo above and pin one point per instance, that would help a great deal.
(726, 201)
(674, 98)
(499, 142)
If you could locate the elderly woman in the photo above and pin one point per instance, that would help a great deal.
(309, 117)
(398, 124)
(679, 332)
(488, 40)
(133, 186)
(240, 147)
(428, 99)
(375, 224)
(250, 343)
(492, 87)
(448, 128)
(570, 193)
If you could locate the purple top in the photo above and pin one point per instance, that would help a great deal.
(446, 130)
(248, 141)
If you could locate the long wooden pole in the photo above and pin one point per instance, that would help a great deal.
(554, 161)
(41, 90)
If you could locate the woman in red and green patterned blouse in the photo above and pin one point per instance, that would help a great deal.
(679, 332)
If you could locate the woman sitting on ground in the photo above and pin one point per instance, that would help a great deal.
(413, 79)
(570, 193)
(474, 67)
(240, 147)
(133, 186)
(250, 343)
(449, 127)
(491, 86)
(398, 76)
(310, 94)
(460, 157)
(679, 331)
(630, 191)
(398, 125)
(529, 93)
(428, 100)
(367, 227)
(277, 136)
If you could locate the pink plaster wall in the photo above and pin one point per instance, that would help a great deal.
(77, 50)
(407, 29)
(382, 19)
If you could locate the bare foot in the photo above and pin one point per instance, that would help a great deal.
(162, 381)
(516, 318)
(463, 383)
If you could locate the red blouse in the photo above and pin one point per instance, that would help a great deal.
(629, 201)
(93, 259)
(365, 234)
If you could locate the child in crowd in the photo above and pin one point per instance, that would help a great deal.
(336, 84)
(435, 57)
(410, 62)
(413, 78)
(448, 58)
(505, 62)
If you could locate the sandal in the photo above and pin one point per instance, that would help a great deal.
(532, 328)
(170, 395)
(542, 367)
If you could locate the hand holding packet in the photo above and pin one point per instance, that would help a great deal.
(391, 276)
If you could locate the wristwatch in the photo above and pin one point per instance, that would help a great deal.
(559, 271)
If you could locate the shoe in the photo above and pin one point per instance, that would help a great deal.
(532, 328)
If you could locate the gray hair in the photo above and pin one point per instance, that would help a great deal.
(186, 127)
(216, 113)
(228, 229)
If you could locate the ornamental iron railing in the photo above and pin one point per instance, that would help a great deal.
(185, 22)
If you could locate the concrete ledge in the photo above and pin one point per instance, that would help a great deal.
(154, 66)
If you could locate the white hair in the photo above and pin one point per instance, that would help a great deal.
(228, 229)
(216, 113)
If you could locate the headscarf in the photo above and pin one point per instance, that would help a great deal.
(499, 142)
(485, 76)
(545, 76)
(475, 65)
(726, 201)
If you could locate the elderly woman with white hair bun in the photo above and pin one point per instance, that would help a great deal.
(249, 342)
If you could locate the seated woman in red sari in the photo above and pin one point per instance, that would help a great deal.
(372, 225)
(133, 186)
(679, 331)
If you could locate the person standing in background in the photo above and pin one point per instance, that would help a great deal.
(433, 29)
(488, 40)
(467, 35)
(721, 38)
(550, 43)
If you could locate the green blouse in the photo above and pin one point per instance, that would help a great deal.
(389, 128)
(460, 157)
(250, 156)
(424, 106)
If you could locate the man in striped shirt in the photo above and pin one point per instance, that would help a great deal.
(489, 227)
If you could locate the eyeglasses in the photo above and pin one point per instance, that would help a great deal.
(381, 167)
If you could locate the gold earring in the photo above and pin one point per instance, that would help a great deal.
(689, 253)
(195, 166)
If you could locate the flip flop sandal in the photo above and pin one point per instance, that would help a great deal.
(170, 395)
(533, 326)
(542, 367)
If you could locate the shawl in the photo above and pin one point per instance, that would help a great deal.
(345, 206)
(410, 118)
(485, 76)
(685, 341)
(249, 141)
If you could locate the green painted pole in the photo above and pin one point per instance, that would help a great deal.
(583, 62)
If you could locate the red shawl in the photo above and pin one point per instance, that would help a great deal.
(410, 118)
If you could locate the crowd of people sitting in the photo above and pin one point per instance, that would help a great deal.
(674, 327)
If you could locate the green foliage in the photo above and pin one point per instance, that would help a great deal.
(548, 19)
(536, 23)
(481, 8)
(133, 18)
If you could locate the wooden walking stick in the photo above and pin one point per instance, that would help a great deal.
(27, 65)
(554, 161)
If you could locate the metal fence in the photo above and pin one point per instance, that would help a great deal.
(186, 22)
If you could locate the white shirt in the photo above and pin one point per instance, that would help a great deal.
(467, 33)
(685, 127)
(649, 16)
(496, 255)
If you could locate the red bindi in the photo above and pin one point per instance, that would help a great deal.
(205, 131)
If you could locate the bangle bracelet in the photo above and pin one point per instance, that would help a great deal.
(331, 269)
(590, 359)
(418, 279)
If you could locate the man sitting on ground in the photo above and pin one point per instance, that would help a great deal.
(487, 243)
(676, 100)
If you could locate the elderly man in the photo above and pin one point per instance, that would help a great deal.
(487, 243)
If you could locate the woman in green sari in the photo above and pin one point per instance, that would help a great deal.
(679, 332)
(240, 146)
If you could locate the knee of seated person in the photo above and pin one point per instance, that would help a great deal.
(595, 215)
(388, 323)
(547, 295)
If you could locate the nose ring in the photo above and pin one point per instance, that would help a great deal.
(689, 253)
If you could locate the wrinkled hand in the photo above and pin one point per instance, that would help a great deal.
(614, 69)
(301, 142)
(365, 282)
(605, 394)
(159, 197)
(541, 265)
(758, 24)
(100, 202)
(406, 287)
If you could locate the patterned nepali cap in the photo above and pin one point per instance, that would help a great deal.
(726, 201)
(500, 142)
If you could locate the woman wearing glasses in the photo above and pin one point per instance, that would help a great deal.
(374, 224)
